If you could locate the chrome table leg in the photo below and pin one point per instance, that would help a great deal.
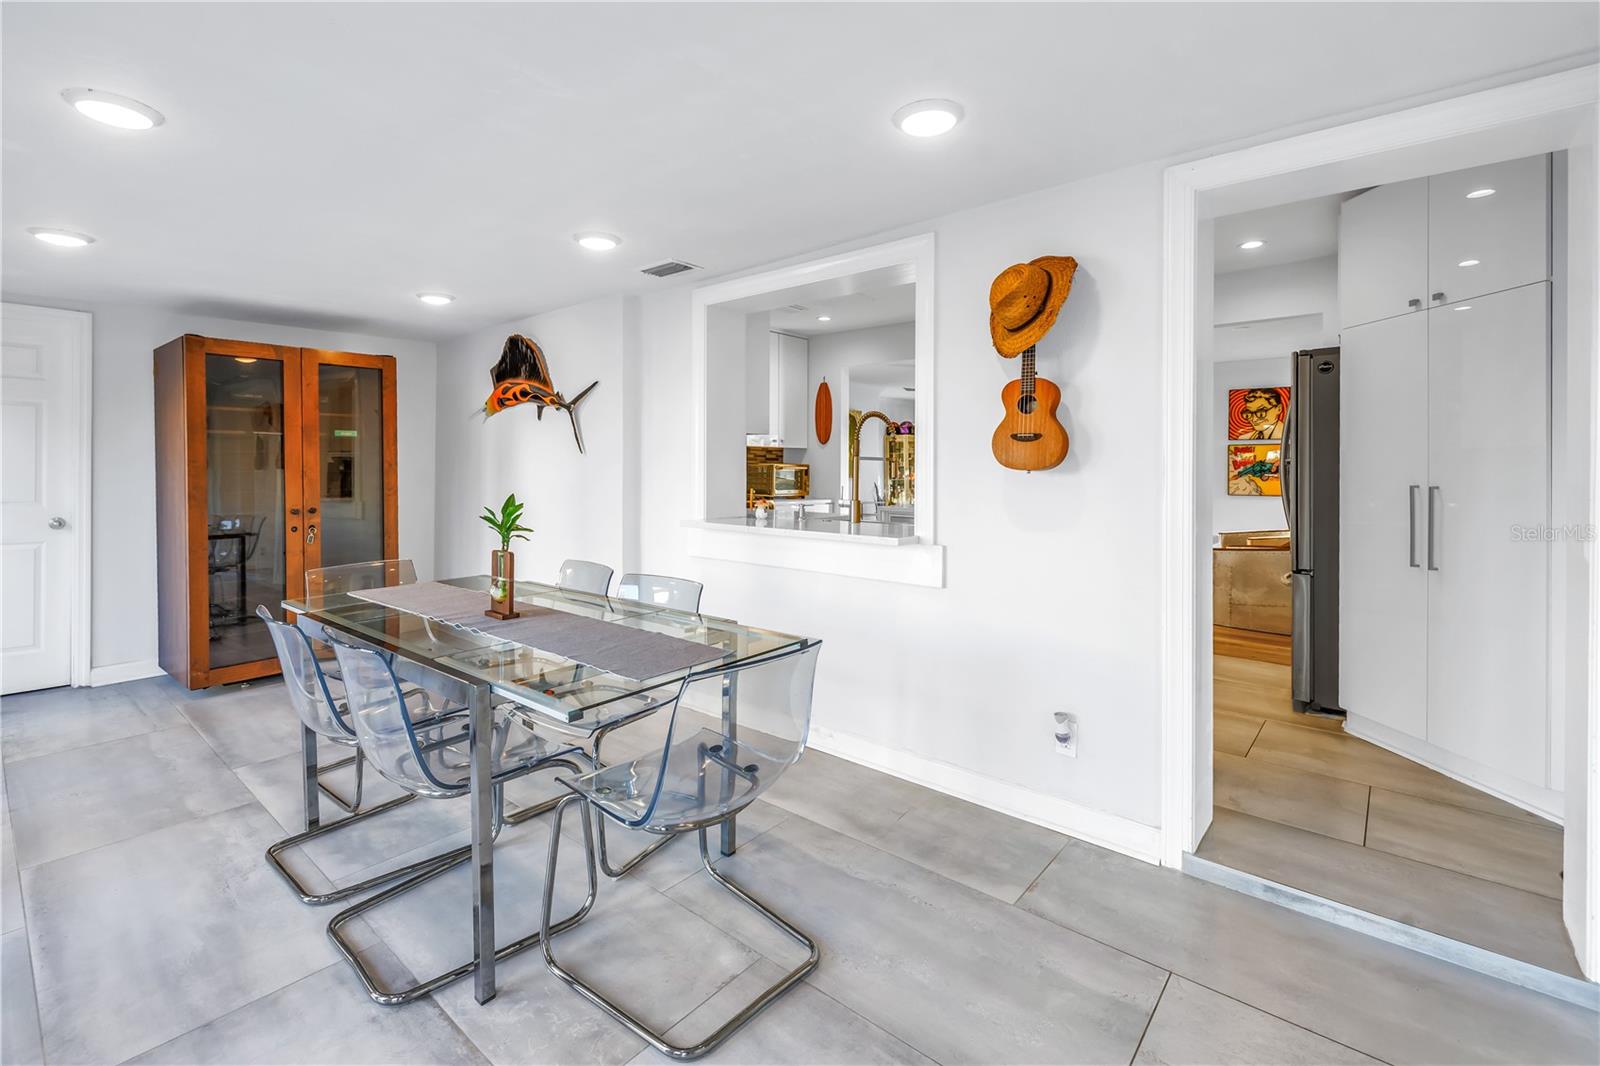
(482, 801)
(730, 729)
(308, 770)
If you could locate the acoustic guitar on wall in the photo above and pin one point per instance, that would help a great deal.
(1030, 437)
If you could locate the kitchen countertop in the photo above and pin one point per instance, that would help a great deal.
(797, 524)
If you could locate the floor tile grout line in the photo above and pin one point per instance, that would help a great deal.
(1366, 822)
(867, 1021)
(1285, 1021)
(27, 943)
(251, 800)
(1176, 973)
(11, 764)
(1048, 863)
(1166, 982)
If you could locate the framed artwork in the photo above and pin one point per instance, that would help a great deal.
(1255, 470)
(1258, 413)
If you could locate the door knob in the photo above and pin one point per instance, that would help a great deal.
(58, 523)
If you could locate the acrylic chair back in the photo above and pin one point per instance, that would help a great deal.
(303, 677)
(703, 775)
(384, 725)
(580, 575)
(352, 577)
(678, 593)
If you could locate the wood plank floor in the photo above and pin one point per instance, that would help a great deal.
(1299, 801)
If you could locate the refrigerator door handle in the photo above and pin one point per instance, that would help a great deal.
(1433, 527)
(1300, 638)
(1414, 492)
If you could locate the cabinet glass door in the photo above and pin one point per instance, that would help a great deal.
(349, 479)
(250, 554)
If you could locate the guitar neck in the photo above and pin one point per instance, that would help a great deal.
(1027, 372)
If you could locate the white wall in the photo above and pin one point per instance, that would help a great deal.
(1236, 513)
(123, 601)
(580, 506)
(1051, 594)
(1310, 286)
(831, 356)
(1261, 316)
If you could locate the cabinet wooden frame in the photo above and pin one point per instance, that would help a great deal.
(182, 505)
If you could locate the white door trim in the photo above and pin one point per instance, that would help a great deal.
(81, 353)
(1527, 114)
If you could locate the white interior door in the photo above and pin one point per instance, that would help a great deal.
(44, 357)
(1488, 596)
(1383, 479)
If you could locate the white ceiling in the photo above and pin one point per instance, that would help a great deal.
(322, 163)
(1307, 229)
(857, 310)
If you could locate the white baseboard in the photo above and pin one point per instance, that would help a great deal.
(1544, 802)
(1120, 834)
(119, 672)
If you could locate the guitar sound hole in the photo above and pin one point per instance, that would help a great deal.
(1026, 438)
(1025, 404)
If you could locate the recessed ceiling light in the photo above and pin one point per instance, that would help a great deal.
(1252, 244)
(928, 118)
(1467, 263)
(1478, 194)
(597, 242)
(119, 111)
(436, 299)
(824, 318)
(1463, 307)
(61, 238)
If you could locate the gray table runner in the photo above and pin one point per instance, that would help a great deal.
(617, 649)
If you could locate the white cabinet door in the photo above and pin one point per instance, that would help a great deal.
(1488, 243)
(1383, 473)
(786, 390)
(1488, 416)
(1383, 252)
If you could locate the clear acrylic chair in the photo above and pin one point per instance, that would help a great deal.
(580, 575)
(427, 754)
(352, 577)
(678, 593)
(701, 777)
(318, 703)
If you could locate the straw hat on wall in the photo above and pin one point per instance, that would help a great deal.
(1025, 300)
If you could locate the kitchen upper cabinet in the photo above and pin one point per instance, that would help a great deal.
(1482, 241)
(1488, 402)
(1383, 252)
(1383, 484)
(788, 374)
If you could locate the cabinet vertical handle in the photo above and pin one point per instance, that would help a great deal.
(1412, 496)
(1433, 527)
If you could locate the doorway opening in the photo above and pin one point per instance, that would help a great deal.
(1389, 704)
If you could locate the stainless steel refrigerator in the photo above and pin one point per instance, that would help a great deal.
(1311, 507)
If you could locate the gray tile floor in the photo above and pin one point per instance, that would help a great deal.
(140, 922)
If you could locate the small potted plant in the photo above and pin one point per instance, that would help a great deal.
(502, 564)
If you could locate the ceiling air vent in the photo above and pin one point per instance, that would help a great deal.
(669, 268)
(795, 308)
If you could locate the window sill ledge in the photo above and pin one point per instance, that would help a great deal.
(903, 560)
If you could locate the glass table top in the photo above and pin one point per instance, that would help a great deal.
(554, 687)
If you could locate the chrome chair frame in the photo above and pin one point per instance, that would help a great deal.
(427, 869)
(617, 1011)
(700, 827)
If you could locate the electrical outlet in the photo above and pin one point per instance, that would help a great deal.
(1066, 731)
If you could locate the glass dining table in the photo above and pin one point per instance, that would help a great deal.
(485, 672)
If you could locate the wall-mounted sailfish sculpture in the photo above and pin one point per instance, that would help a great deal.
(522, 376)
